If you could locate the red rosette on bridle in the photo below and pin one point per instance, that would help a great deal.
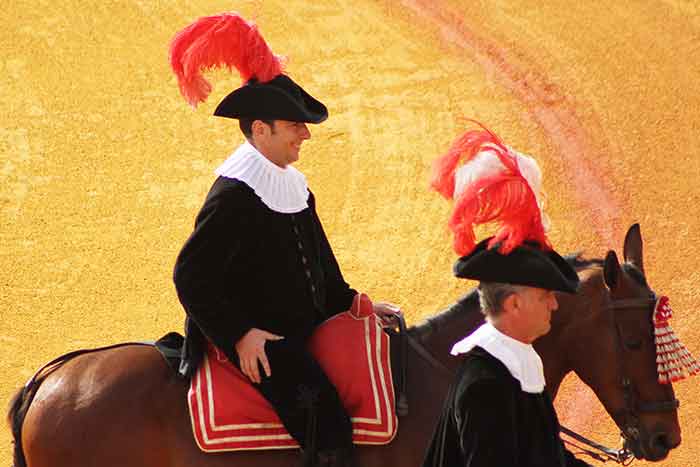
(488, 183)
(220, 40)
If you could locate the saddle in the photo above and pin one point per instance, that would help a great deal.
(228, 414)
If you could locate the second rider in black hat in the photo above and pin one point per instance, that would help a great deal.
(497, 412)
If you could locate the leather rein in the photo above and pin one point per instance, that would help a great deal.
(633, 407)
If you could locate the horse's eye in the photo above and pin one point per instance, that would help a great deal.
(633, 344)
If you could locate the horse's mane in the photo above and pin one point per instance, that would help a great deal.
(466, 303)
(470, 301)
(579, 263)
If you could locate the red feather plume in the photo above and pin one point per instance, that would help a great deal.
(215, 41)
(504, 197)
(463, 149)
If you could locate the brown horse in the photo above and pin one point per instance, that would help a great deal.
(125, 407)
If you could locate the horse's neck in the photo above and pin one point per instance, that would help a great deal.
(448, 327)
(571, 329)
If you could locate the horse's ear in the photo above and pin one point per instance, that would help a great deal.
(633, 248)
(611, 270)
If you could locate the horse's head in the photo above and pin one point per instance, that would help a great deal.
(608, 330)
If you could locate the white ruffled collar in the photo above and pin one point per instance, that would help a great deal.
(281, 189)
(521, 359)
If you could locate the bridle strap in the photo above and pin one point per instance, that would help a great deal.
(627, 303)
(631, 429)
(633, 406)
(662, 406)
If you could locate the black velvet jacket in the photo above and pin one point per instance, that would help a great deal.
(488, 421)
(246, 266)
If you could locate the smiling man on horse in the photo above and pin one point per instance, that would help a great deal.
(497, 412)
(258, 275)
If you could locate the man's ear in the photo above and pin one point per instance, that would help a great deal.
(258, 128)
(511, 303)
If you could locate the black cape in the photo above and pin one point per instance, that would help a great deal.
(488, 421)
(247, 266)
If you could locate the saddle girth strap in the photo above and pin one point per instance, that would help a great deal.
(401, 396)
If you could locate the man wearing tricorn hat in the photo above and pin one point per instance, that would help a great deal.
(497, 412)
(258, 274)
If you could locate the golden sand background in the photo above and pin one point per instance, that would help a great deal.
(103, 166)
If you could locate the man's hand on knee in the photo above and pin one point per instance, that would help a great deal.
(251, 350)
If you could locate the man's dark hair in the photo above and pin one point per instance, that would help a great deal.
(246, 125)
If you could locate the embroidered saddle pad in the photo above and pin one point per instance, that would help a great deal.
(229, 414)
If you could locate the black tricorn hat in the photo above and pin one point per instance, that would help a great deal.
(527, 264)
(278, 99)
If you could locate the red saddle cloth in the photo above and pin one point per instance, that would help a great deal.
(229, 414)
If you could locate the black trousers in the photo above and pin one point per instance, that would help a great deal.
(303, 397)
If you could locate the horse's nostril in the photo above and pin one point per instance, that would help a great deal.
(664, 442)
(661, 441)
(671, 442)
